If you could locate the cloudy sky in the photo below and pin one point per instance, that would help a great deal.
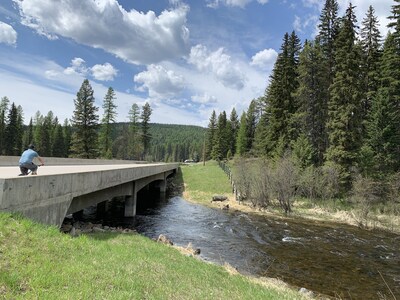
(185, 58)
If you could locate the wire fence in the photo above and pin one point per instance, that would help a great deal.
(228, 172)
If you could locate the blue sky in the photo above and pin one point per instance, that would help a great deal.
(185, 58)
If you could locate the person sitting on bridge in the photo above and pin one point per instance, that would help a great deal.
(26, 161)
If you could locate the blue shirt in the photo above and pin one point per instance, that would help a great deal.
(28, 156)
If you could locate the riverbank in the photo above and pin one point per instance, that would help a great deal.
(40, 262)
(202, 182)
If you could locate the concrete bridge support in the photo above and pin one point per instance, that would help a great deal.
(131, 199)
(130, 202)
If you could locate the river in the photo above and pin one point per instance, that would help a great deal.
(333, 259)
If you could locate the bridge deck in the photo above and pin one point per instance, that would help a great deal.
(12, 172)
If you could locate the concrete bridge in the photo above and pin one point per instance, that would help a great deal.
(60, 190)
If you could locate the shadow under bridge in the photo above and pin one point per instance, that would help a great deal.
(128, 191)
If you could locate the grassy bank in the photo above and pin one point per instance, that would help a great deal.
(39, 262)
(202, 182)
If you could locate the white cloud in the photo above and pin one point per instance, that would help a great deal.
(219, 64)
(136, 37)
(303, 24)
(7, 34)
(264, 59)
(204, 99)
(104, 72)
(314, 3)
(77, 67)
(160, 82)
(238, 3)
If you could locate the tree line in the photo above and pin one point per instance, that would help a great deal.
(85, 135)
(331, 102)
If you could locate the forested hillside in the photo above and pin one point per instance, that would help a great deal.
(169, 143)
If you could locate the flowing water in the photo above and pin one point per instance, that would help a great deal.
(332, 259)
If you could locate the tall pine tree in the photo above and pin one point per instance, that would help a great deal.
(3, 123)
(146, 136)
(241, 142)
(384, 122)
(344, 109)
(280, 101)
(212, 128)
(311, 97)
(12, 132)
(85, 123)
(134, 146)
(233, 127)
(371, 47)
(106, 129)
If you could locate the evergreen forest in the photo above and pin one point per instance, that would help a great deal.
(331, 111)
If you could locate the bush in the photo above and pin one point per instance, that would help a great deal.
(366, 192)
(261, 186)
(243, 179)
(284, 182)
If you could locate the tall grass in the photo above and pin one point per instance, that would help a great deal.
(39, 262)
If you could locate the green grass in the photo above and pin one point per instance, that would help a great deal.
(39, 262)
(202, 182)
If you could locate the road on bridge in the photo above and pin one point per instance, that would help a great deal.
(12, 172)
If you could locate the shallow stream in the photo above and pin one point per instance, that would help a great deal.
(335, 260)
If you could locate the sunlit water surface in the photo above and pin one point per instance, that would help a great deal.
(331, 259)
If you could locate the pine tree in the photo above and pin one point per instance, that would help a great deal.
(241, 144)
(371, 46)
(280, 102)
(261, 145)
(395, 23)
(344, 109)
(3, 123)
(221, 143)
(328, 30)
(20, 132)
(311, 97)
(59, 147)
(384, 122)
(106, 129)
(233, 127)
(67, 133)
(212, 127)
(12, 127)
(251, 123)
(146, 136)
(134, 148)
(84, 123)
(45, 134)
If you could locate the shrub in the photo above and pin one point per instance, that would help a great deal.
(366, 192)
(284, 182)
